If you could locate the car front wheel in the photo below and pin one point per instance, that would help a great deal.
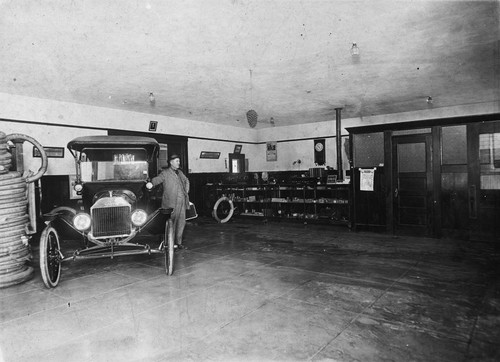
(168, 247)
(50, 257)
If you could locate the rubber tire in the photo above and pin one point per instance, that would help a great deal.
(168, 247)
(50, 265)
(216, 205)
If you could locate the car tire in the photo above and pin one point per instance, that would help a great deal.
(168, 247)
(50, 257)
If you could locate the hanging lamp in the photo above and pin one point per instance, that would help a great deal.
(252, 116)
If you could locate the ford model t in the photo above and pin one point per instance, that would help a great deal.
(116, 212)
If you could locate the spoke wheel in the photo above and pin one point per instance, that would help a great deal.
(50, 257)
(168, 247)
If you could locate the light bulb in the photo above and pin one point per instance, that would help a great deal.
(354, 49)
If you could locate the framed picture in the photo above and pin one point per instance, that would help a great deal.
(210, 155)
(237, 149)
(153, 125)
(53, 152)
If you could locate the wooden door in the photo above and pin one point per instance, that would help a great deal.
(412, 185)
(484, 181)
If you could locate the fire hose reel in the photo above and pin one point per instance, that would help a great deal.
(17, 211)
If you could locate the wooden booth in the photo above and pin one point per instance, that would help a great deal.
(435, 178)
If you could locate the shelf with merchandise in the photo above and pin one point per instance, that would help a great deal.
(322, 203)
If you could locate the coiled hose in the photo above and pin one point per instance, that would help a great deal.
(14, 247)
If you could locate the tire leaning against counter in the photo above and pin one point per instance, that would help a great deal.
(14, 247)
(227, 213)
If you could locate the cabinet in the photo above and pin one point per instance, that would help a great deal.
(305, 202)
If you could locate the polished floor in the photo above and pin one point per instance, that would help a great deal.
(253, 291)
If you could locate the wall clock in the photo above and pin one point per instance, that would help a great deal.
(319, 152)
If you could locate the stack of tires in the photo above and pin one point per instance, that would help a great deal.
(14, 248)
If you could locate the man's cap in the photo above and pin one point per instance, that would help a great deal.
(173, 157)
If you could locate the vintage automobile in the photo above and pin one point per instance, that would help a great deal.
(117, 210)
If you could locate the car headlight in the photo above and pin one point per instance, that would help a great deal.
(138, 217)
(81, 221)
(78, 187)
(149, 185)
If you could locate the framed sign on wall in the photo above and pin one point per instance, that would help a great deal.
(153, 126)
(271, 151)
(53, 152)
(209, 154)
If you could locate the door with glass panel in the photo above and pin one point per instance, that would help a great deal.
(412, 185)
(484, 181)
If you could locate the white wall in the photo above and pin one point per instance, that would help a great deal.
(289, 150)
(48, 137)
(195, 146)
(45, 116)
(46, 111)
(288, 153)
(292, 151)
(294, 142)
(328, 128)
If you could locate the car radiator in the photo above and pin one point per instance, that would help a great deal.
(110, 219)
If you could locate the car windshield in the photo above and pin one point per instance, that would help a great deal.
(113, 165)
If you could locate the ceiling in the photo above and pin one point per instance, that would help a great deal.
(213, 60)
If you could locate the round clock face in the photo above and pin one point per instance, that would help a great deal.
(318, 147)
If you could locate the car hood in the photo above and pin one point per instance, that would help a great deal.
(131, 192)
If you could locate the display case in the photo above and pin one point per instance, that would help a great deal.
(303, 202)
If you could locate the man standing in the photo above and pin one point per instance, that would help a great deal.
(175, 195)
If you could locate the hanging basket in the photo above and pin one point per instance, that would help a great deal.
(252, 118)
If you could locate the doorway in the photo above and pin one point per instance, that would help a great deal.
(412, 185)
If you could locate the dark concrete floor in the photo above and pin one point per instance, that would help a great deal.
(254, 291)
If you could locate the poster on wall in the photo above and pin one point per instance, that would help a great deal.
(271, 151)
(366, 177)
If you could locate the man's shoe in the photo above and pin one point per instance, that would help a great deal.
(178, 247)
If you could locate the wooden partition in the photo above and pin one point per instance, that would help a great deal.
(455, 162)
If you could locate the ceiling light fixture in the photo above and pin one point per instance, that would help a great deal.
(252, 116)
(152, 99)
(354, 50)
